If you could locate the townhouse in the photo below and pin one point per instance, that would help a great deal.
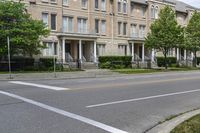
(83, 30)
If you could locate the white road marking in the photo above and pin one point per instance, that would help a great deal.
(65, 113)
(39, 85)
(143, 98)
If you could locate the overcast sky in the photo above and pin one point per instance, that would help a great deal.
(195, 3)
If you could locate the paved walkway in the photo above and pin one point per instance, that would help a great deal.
(59, 75)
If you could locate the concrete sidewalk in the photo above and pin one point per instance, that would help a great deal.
(60, 75)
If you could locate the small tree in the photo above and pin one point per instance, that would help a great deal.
(165, 33)
(193, 35)
(25, 32)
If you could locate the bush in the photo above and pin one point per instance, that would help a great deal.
(171, 61)
(198, 60)
(115, 62)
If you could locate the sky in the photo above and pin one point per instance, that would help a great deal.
(195, 3)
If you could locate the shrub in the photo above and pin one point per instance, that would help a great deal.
(171, 61)
(198, 60)
(115, 62)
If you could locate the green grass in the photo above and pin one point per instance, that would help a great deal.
(138, 71)
(190, 126)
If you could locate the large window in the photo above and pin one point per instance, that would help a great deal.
(154, 12)
(103, 5)
(82, 25)
(119, 28)
(84, 3)
(143, 11)
(96, 4)
(142, 31)
(51, 49)
(53, 21)
(68, 24)
(96, 25)
(125, 6)
(134, 30)
(103, 26)
(119, 6)
(101, 49)
(122, 50)
(124, 28)
(45, 18)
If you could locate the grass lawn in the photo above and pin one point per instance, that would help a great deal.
(190, 126)
(137, 71)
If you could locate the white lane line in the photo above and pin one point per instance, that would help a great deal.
(39, 85)
(143, 98)
(65, 113)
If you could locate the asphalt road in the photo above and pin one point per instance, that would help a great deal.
(127, 104)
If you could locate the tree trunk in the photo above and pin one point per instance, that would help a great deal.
(195, 59)
(165, 54)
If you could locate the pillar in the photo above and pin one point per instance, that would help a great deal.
(95, 52)
(63, 50)
(132, 51)
(80, 51)
(177, 54)
(143, 52)
(185, 55)
(153, 55)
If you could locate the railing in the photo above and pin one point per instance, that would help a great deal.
(84, 59)
(137, 58)
(68, 57)
(138, 35)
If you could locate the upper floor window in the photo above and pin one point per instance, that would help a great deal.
(68, 25)
(96, 4)
(142, 31)
(134, 30)
(45, 18)
(119, 28)
(132, 7)
(82, 25)
(65, 2)
(125, 6)
(53, 21)
(103, 5)
(119, 6)
(154, 12)
(124, 28)
(143, 11)
(96, 25)
(84, 3)
(103, 26)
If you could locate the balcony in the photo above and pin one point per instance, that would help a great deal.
(137, 36)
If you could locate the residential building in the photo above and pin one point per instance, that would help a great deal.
(82, 30)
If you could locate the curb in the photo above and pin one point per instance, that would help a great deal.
(168, 126)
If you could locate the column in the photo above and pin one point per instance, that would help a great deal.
(152, 55)
(177, 54)
(185, 55)
(80, 51)
(95, 52)
(63, 50)
(192, 55)
(132, 51)
(143, 52)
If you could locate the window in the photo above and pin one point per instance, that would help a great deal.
(119, 28)
(45, 18)
(152, 12)
(68, 25)
(84, 3)
(96, 25)
(103, 26)
(125, 6)
(143, 10)
(103, 5)
(124, 28)
(122, 50)
(65, 2)
(96, 4)
(119, 6)
(51, 49)
(53, 1)
(142, 31)
(82, 25)
(156, 12)
(132, 7)
(53, 21)
(134, 30)
(101, 49)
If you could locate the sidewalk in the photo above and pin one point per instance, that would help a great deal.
(60, 75)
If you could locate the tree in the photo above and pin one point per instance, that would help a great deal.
(25, 32)
(165, 32)
(193, 35)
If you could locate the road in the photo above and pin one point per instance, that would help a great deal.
(124, 104)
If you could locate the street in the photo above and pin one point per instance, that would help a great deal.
(124, 104)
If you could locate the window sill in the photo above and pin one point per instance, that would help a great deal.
(65, 5)
(84, 8)
(45, 1)
(54, 3)
(96, 9)
(103, 10)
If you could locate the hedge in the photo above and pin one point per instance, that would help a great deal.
(115, 62)
(171, 61)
